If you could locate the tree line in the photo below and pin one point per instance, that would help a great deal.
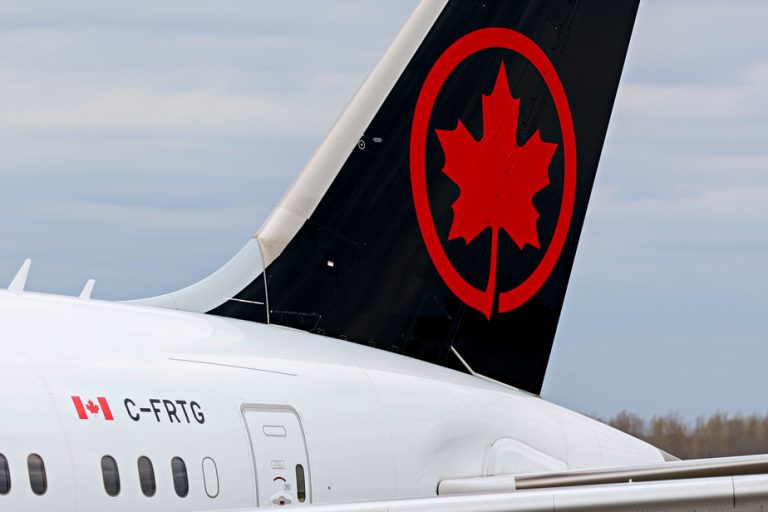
(719, 435)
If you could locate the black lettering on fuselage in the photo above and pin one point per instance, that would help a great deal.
(183, 405)
(128, 404)
(170, 408)
(153, 403)
(162, 408)
(197, 412)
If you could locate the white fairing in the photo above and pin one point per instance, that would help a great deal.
(215, 289)
(375, 425)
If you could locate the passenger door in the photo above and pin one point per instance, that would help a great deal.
(279, 455)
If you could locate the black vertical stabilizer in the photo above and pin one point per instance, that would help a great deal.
(455, 218)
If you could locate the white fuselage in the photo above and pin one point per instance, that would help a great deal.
(242, 404)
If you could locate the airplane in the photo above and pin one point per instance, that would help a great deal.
(381, 342)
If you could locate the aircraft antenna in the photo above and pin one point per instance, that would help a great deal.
(87, 289)
(20, 281)
(481, 376)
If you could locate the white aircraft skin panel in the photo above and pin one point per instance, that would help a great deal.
(29, 424)
(395, 414)
(90, 440)
(449, 443)
(345, 401)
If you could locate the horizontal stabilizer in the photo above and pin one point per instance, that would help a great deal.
(745, 493)
(677, 470)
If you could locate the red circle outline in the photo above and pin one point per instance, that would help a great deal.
(463, 48)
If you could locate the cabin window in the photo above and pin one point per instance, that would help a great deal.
(37, 478)
(210, 477)
(110, 475)
(147, 477)
(180, 480)
(5, 475)
(301, 484)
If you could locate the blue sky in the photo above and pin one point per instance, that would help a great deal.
(143, 143)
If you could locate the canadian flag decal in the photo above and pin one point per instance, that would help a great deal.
(85, 410)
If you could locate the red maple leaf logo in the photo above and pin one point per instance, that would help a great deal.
(92, 407)
(497, 179)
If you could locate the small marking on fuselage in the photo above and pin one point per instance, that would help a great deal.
(232, 366)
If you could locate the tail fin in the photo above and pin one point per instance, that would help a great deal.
(444, 208)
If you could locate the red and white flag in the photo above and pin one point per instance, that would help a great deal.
(84, 411)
